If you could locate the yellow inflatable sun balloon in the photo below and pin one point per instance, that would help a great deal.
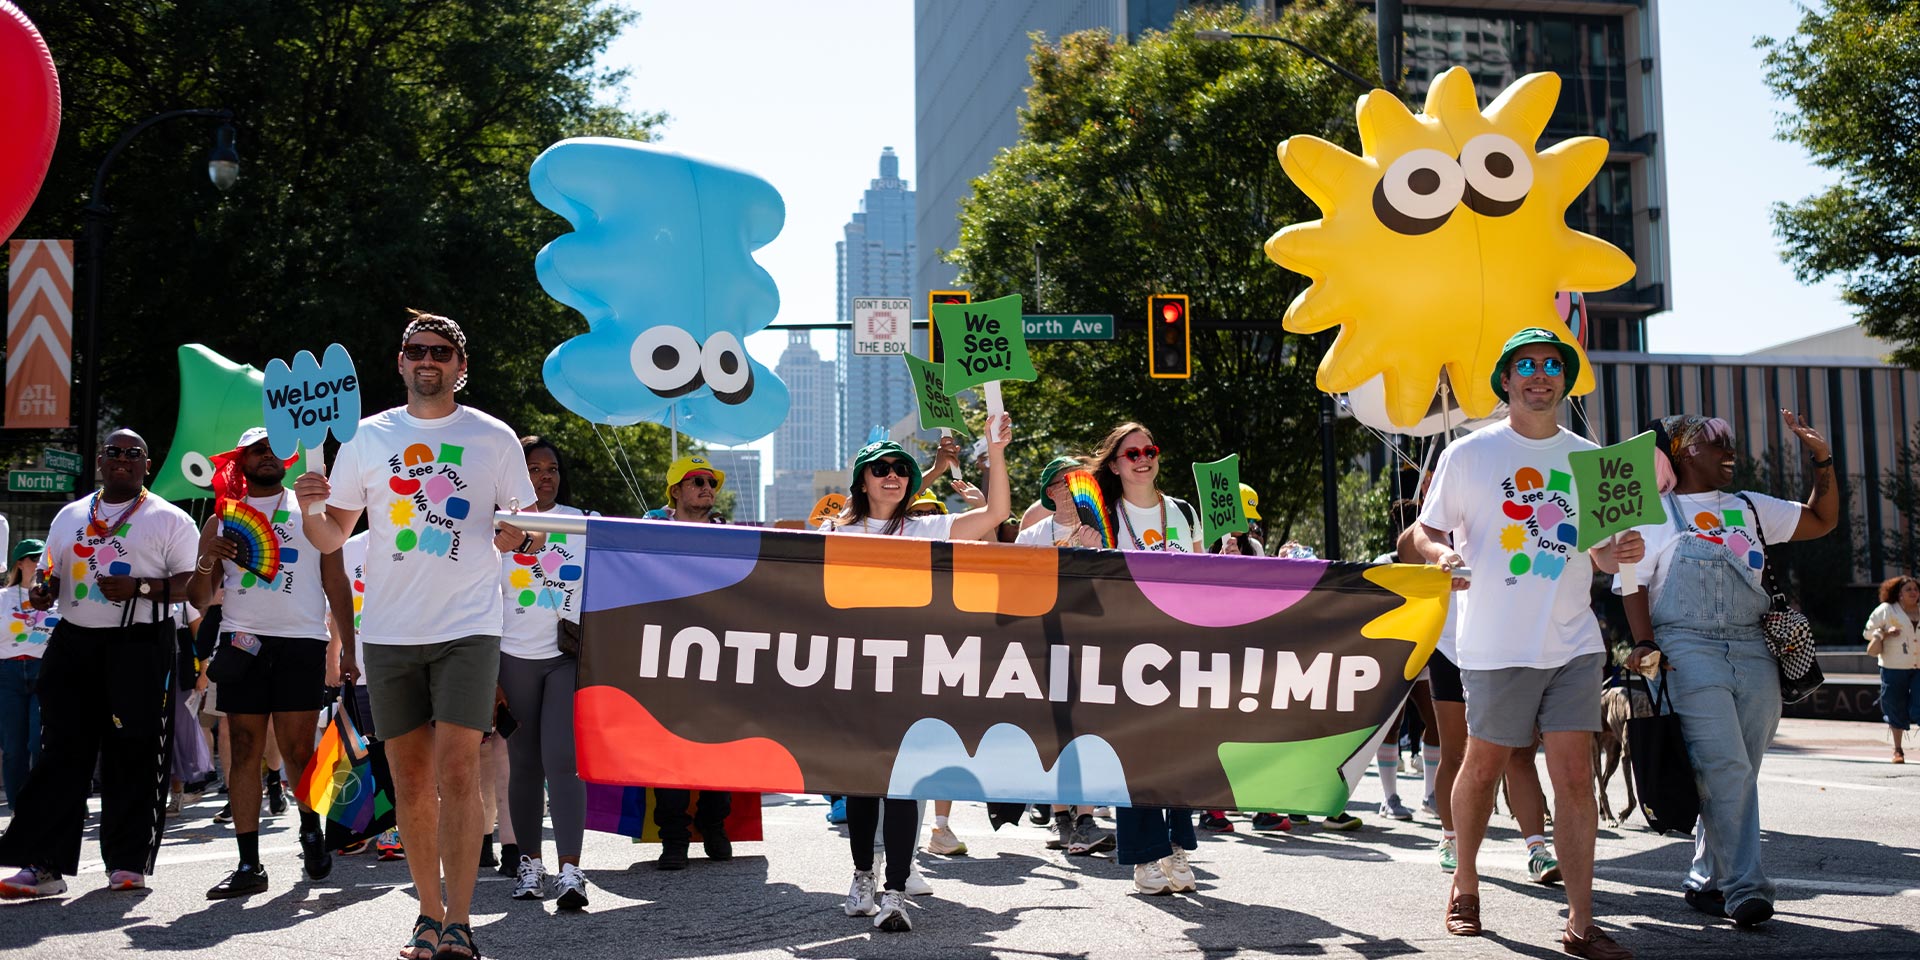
(1444, 238)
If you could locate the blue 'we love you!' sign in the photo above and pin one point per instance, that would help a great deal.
(306, 400)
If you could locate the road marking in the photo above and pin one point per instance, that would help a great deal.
(1823, 784)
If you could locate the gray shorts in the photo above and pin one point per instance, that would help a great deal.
(451, 681)
(1511, 706)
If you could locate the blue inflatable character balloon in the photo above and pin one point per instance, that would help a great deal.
(661, 264)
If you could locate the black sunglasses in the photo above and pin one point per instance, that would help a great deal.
(899, 468)
(123, 453)
(441, 353)
(702, 482)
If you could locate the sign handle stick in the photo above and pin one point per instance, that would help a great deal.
(317, 463)
(946, 432)
(995, 406)
(1629, 573)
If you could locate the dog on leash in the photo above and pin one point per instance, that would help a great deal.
(1610, 749)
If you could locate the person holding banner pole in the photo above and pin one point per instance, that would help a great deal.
(429, 477)
(538, 675)
(1699, 617)
(1531, 657)
(1155, 841)
(885, 479)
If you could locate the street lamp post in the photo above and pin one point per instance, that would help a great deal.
(223, 168)
(1388, 20)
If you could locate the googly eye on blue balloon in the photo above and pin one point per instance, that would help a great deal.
(660, 262)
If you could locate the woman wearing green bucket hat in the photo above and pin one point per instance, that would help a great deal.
(21, 647)
(885, 480)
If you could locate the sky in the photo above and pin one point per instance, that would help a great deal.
(806, 95)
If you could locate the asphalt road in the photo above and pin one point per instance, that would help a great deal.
(1842, 842)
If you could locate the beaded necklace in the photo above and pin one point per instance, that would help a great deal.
(98, 526)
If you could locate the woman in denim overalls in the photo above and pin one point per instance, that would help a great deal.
(1701, 616)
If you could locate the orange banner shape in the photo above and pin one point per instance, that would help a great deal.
(39, 333)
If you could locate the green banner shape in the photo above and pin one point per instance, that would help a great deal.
(1221, 511)
(937, 408)
(983, 342)
(1615, 489)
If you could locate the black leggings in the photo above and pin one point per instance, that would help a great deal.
(902, 835)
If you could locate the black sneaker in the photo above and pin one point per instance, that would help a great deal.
(714, 838)
(225, 815)
(1270, 821)
(276, 800)
(509, 860)
(250, 878)
(1751, 912)
(486, 852)
(673, 856)
(313, 850)
(1713, 903)
(1039, 815)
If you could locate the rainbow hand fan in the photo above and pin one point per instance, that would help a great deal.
(1091, 504)
(249, 530)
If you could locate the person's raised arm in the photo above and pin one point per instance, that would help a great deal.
(1821, 513)
(977, 524)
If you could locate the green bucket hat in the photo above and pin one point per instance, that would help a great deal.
(27, 548)
(1054, 468)
(881, 450)
(1569, 355)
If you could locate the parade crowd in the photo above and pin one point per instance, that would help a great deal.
(455, 639)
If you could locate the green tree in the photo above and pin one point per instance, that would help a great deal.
(1149, 167)
(384, 151)
(1849, 73)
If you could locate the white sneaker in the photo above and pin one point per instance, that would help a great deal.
(32, 882)
(1150, 880)
(572, 887)
(860, 895)
(917, 885)
(893, 913)
(1178, 872)
(530, 879)
(945, 843)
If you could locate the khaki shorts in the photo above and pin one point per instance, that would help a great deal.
(1511, 706)
(451, 681)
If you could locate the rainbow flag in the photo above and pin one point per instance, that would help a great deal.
(344, 785)
(628, 811)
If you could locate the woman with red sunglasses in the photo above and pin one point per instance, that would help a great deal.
(1154, 840)
(885, 480)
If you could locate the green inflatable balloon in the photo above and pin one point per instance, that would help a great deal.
(219, 400)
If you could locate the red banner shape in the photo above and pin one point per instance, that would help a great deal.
(39, 334)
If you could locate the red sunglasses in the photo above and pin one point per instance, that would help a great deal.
(1150, 452)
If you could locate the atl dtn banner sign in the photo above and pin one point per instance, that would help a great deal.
(39, 333)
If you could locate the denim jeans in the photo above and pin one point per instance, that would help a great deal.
(1146, 834)
(1726, 689)
(19, 722)
(1900, 698)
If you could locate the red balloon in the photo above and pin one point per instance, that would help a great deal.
(29, 114)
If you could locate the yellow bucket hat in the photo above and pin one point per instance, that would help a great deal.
(686, 465)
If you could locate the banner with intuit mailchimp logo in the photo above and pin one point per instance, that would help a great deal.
(775, 661)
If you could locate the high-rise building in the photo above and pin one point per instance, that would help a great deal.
(742, 468)
(875, 259)
(809, 440)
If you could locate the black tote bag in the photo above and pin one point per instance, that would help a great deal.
(1661, 770)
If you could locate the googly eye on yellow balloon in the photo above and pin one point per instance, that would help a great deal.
(1443, 238)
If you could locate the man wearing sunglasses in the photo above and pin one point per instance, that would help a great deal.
(1530, 652)
(429, 477)
(114, 561)
(692, 485)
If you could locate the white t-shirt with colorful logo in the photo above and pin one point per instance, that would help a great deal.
(353, 556)
(540, 590)
(27, 628)
(1510, 505)
(1718, 518)
(292, 604)
(1141, 527)
(429, 489)
(157, 540)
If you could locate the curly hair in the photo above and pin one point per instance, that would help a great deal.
(1890, 590)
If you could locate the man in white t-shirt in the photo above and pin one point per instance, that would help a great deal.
(1529, 649)
(429, 477)
(272, 654)
(105, 691)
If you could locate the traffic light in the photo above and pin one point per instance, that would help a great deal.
(1169, 337)
(933, 332)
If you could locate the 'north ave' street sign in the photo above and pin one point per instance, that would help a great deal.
(1069, 326)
